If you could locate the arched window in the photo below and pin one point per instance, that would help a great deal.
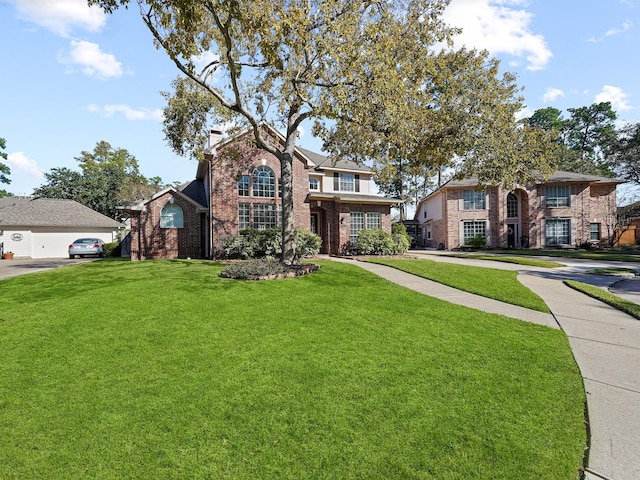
(264, 182)
(512, 206)
(171, 217)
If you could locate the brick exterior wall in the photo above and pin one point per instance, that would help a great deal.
(227, 167)
(595, 203)
(149, 241)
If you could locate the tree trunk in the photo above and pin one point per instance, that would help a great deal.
(288, 224)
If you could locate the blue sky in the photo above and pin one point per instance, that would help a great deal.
(72, 76)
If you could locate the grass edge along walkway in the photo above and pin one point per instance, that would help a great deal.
(497, 284)
(531, 262)
(622, 304)
(161, 369)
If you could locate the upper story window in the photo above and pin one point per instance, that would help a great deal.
(264, 182)
(346, 182)
(473, 200)
(243, 186)
(314, 184)
(171, 217)
(557, 195)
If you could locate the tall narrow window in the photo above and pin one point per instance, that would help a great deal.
(171, 217)
(594, 232)
(264, 182)
(243, 186)
(244, 216)
(357, 224)
(512, 206)
(473, 200)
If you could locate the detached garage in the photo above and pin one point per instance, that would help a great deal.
(44, 227)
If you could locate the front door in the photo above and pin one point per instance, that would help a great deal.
(512, 235)
(315, 222)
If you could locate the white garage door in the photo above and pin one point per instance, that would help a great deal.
(56, 244)
(17, 241)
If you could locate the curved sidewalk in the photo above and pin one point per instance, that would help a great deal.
(605, 343)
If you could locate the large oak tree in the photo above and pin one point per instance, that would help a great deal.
(370, 73)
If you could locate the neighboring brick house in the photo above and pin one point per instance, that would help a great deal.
(566, 209)
(238, 187)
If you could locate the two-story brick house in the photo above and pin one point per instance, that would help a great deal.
(566, 209)
(238, 187)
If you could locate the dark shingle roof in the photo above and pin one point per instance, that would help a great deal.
(49, 212)
(557, 177)
(195, 191)
(323, 162)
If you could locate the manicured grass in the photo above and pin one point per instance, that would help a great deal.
(164, 370)
(533, 262)
(620, 303)
(611, 271)
(501, 285)
(604, 255)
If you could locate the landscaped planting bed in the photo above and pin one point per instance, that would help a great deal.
(162, 369)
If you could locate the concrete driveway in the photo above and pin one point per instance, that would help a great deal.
(21, 266)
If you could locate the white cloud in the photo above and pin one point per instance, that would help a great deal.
(500, 28)
(128, 112)
(93, 61)
(552, 94)
(19, 162)
(626, 26)
(61, 16)
(615, 95)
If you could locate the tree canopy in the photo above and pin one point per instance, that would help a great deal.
(373, 76)
(5, 171)
(626, 153)
(108, 177)
(586, 139)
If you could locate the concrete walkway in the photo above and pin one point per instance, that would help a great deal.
(605, 343)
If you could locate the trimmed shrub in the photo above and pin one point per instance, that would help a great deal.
(267, 243)
(401, 243)
(375, 242)
(307, 243)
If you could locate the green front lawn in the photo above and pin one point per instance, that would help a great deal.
(501, 285)
(162, 369)
(532, 262)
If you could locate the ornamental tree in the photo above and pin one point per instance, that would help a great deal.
(284, 61)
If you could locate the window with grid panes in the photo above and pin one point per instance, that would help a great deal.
(357, 224)
(473, 200)
(471, 228)
(374, 220)
(243, 186)
(264, 182)
(557, 196)
(558, 231)
(244, 216)
(594, 232)
(264, 216)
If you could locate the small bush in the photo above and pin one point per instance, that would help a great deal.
(401, 243)
(401, 229)
(477, 241)
(111, 249)
(307, 244)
